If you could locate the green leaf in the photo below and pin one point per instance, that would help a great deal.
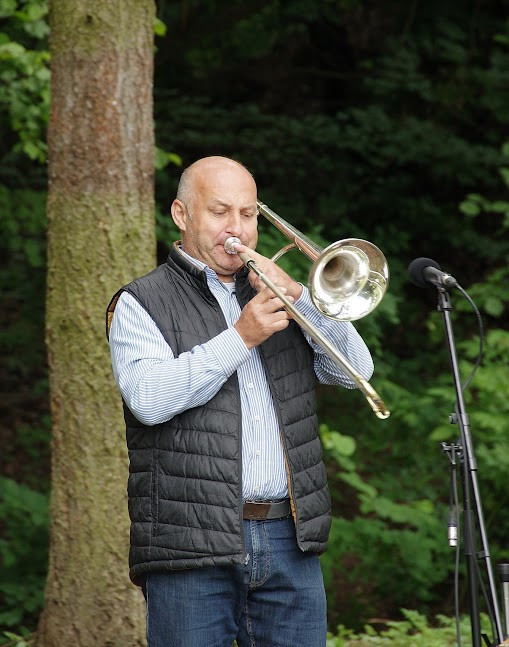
(504, 172)
(469, 208)
(32, 150)
(354, 480)
(163, 158)
(344, 445)
(7, 8)
(159, 27)
(494, 306)
(499, 206)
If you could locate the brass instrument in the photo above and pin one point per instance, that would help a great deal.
(347, 281)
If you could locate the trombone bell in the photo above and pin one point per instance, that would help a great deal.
(348, 279)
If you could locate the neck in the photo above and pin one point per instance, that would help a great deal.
(226, 278)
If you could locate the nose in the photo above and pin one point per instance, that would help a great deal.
(234, 224)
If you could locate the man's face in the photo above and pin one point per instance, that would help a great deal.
(222, 204)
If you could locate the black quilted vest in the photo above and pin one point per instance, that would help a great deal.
(184, 488)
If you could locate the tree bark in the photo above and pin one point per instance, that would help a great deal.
(101, 234)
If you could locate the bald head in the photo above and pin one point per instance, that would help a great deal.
(198, 172)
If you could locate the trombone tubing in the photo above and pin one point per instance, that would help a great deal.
(374, 400)
(307, 246)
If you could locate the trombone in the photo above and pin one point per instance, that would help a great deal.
(346, 282)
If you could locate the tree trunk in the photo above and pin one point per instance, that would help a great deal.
(101, 234)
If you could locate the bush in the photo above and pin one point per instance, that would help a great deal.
(23, 552)
(413, 631)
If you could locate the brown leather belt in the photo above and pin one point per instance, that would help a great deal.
(266, 509)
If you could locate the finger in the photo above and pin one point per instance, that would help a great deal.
(266, 293)
(281, 323)
(276, 304)
(284, 295)
(240, 247)
(255, 256)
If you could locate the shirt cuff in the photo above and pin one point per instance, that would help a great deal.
(304, 302)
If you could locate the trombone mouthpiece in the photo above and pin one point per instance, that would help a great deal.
(229, 243)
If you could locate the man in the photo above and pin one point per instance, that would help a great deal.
(227, 491)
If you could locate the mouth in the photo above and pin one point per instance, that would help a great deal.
(229, 243)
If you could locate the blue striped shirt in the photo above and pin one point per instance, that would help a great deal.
(156, 385)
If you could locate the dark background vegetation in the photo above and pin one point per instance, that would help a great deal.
(380, 120)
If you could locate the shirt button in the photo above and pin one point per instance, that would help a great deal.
(257, 418)
(250, 385)
(258, 452)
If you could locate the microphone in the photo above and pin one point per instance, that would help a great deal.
(425, 270)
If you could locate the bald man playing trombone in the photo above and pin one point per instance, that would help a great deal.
(228, 495)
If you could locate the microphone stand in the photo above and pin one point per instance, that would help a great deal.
(470, 489)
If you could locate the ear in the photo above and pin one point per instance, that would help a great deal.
(179, 214)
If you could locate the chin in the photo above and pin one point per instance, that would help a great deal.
(228, 265)
(234, 267)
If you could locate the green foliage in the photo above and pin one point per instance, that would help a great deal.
(23, 226)
(163, 158)
(414, 631)
(390, 547)
(166, 230)
(160, 28)
(23, 551)
(22, 277)
(487, 399)
(24, 101)
(10, 639)
(24, 73)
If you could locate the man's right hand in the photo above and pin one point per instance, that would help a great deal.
(261, 317)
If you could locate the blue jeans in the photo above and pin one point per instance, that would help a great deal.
(277, 599)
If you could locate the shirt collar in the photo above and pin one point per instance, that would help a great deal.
(211, 275)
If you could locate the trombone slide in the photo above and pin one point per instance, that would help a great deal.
(374, 400)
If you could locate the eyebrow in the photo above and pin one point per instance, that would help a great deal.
(215, 202)
(218, 203)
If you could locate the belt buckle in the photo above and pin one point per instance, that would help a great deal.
(257, 510)
(263, 510)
